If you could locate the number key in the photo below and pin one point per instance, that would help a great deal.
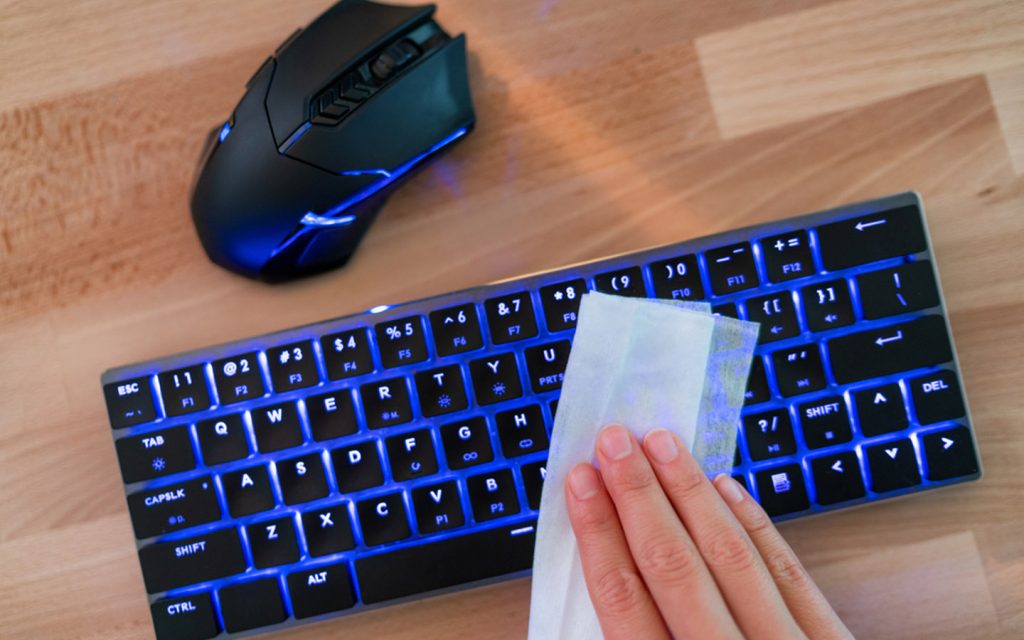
(346, 354)
(401, 341)
(561, 303)
(456, 329)
(511, 317)
(677, 278)
(292, 366)
(238, 378)
(184, 390)
(624, 282)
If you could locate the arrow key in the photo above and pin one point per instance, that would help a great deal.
(950, 454)
(776, 314)
(837, 478)
(893, 465)
(880, 409)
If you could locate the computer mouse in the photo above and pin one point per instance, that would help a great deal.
(343, 113)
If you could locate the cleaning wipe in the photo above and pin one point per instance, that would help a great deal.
(642, 364)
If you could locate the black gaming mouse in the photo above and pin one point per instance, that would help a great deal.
(342, 113)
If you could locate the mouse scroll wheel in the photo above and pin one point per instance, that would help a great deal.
(394, 58)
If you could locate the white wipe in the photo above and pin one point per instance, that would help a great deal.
(642, 364)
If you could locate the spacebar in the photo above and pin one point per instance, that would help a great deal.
(446, 563)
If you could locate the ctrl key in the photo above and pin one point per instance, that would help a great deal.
(251, 604)
(185, 618)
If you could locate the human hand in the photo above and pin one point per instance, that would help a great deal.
(667, 553)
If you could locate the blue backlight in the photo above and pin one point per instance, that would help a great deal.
(224, 131)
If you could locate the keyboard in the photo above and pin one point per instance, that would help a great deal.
(383, 456)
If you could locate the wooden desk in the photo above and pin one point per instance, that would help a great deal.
(603, 127)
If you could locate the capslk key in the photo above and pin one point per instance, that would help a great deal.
(176, 506)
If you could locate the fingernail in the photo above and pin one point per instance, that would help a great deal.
(583, 482)
(662, 446)
(615, 443)
(729, 488)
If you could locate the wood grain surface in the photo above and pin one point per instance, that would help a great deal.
(603, 127)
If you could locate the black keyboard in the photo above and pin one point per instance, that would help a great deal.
(334, 467)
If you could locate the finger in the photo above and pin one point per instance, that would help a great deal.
(742, 577)
(670, 564)
(621, 600)
(810, 608)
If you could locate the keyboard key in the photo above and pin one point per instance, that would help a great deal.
(184, 390)
(776, 315)
(129, 402)
(837, 478)
(727, 310)
(276, 427)
(212, 555)
(320, 590)
(272, 542)
(238, 378)
(347, 354)
(493, 495)
(827, 305)
(825, 422)
(328, 530)
(757, 383)
(357, 466)
(441, 390)
(444, 563)
(546, 365)
(467, 443)
(173, 507)
(677, 278)
(495, 378)
(248, 491)
(893, 465)
(899, 347)
(731, 268)
(411, 455)
(456, 329)
(533, 482)
(561, 303)
(332, 415)
(155, 454)
(769, 434)
(401, 341)
(292, 366)
(302, 479)
(511, 318)
(438, 507)
(798, 370)
(908, 287)
(869, 238)
(950, 454)
(386, 403)
(627, 282)
(880, 410)
(937, 397)
(782, 490)
(251, 604)
(185, 618)
(522, 431)
(383, 519)
(222, 439)
(787, 256)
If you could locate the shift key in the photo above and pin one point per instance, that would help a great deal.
(169, 565)
(890, 349)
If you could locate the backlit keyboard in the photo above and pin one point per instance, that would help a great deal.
(338, 466)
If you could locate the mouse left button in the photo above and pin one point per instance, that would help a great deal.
(262, 68)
